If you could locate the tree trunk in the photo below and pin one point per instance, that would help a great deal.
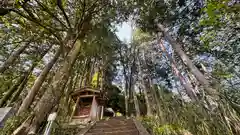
(136, 104)
(146, 97)
(185, 84)
(15, 87)
(72, 85)
(42, 90)
(145, 90)
(38, 83)
(18, 92)
(14, 56)
(12, 90)
(76, 79)
(126, 96)
(52, 95)
(87, 72)
(157, 100)
(132, 80)
(131, 100)
(130, 97)
(126, 84)
(98, 76)
(92, 71)
(82, 75)
(72, 82)
(177, 47)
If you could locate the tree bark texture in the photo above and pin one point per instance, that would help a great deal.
(38, 83)
(87, 72)
(72, 81)
(130, 93)
(98, 76)
(136, 103)
(52, 95)
(145, 90)
(132, 81)
(126, 96)
(92, 70)
(82, 75)
(25, 76)
(126, 85)
(156, 99)
(185, 84)
(44, 87)
(12, 89)
(149, 85)
(13, 57)
(177, 47)
(76, 82)
(18, 92)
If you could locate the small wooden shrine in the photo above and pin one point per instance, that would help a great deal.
(88, 104)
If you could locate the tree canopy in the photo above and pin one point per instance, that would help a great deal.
(180, 69)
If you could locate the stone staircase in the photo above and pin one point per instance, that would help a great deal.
(114, 126)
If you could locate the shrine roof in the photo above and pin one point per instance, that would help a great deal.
(84, 89)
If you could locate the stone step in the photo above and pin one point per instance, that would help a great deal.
(115, 120)
(106, 129)
(125, 132)
(110, 125)
(119, 121)
(114, 126)
(115, 123)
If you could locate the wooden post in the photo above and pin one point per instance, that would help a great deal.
(102, 80)
(102, 112)
(50, 120)
(91, 71)
(99, 72)
(93, 112)
(75, 107)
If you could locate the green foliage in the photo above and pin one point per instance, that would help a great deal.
(12, 123)
(180, 118)
(222, 74)
(115, 99)
(233, 96)
(214, 10)
(217, 15)
(167, 129)
(139, 36)
(215, 27)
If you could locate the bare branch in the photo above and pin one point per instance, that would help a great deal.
(50, 13)
(94, 3)
(79, 20)
(38, 23)
(59, 3)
